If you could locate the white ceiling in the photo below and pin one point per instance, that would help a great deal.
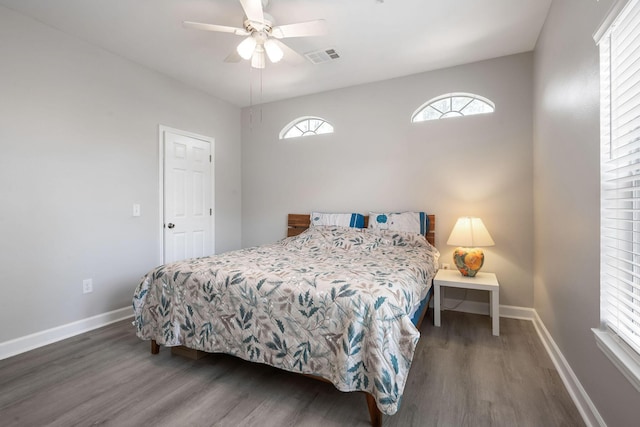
(376, 39)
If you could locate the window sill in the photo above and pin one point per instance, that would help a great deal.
(620, 355)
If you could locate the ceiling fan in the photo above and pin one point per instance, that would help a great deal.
(261, 36)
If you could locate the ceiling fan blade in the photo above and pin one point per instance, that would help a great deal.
(290, 55)
(301, 29)
(253, 10)
(219, 28)
(233, 57)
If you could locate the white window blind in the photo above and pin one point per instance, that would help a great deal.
(620, 176)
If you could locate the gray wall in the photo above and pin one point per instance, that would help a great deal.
(79, 145)
(567, 204)
(78, 133)
(378, 160)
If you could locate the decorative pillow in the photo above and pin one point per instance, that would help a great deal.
(411, 222)
(354, 220)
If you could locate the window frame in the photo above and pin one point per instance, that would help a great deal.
(616, 342)
(294, 123)
(459, 112)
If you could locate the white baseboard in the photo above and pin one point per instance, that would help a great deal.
(59, 333)
(583, 402)
(476, 307)
(515, 312)
(465, 306)
(587, 409)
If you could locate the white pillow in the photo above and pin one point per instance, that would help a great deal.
(354, 220)
(410, 222)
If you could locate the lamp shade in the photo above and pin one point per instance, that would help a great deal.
(471, 233)
(257, 60)
(246, 47)
(274, 52)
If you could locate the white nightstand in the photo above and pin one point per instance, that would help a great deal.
(482, 281)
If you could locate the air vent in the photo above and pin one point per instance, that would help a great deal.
(320, 56)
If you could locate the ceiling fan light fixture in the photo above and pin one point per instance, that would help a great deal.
(247, 47)
(257, 60)
(274, 52)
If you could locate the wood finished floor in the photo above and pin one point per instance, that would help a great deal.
(461, 376)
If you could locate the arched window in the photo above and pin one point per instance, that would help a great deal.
(305, 126)
(453, 105)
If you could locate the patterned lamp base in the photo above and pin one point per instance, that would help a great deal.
(468, 260)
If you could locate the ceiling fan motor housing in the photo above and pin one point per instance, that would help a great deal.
(265, 26)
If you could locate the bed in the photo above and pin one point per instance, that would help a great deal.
(341, 304)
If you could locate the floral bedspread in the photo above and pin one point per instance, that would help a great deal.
(332, 302)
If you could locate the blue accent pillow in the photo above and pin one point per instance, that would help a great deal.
(410, 222)
(353, 220)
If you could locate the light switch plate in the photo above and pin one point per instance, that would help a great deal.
(136, 209)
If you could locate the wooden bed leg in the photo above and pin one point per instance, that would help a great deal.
(374, 412)
(155, 347)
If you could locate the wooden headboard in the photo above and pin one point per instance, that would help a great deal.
(297, 223)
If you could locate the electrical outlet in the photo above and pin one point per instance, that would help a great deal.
(87, 286)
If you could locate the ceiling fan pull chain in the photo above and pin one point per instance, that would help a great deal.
(250, 97)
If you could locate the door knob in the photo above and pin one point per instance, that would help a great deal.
(170, 225)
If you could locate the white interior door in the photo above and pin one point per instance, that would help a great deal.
(187, 197)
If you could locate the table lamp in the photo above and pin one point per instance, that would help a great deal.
(469, 234)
